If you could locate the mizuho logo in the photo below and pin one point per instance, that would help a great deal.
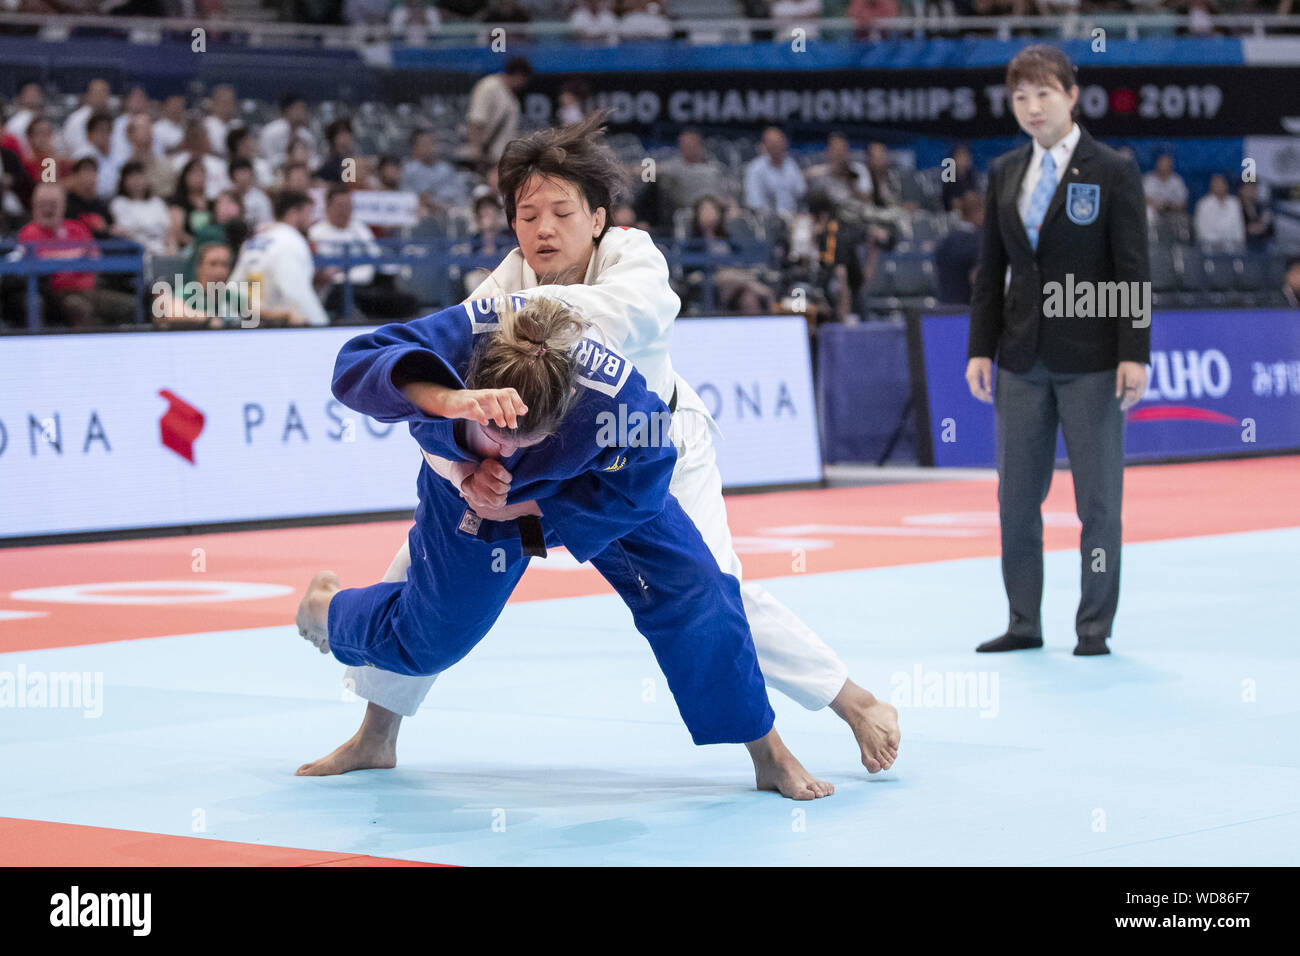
(1186, 373)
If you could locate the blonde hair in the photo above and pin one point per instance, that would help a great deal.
(531, 352)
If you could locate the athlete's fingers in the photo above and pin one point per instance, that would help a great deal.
(474, 412)
(507, 406)
(493, 469)
(492, 409)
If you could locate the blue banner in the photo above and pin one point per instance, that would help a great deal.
(1221, 383)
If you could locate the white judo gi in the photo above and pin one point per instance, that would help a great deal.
(626, 294)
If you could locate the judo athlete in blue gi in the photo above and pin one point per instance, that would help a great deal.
(518, 380)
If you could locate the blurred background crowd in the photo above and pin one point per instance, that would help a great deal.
(213, 186)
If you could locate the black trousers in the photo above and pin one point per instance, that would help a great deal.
(1030, 406)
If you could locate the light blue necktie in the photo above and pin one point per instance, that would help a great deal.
(1041, 199)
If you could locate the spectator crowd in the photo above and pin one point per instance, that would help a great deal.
(220, 190)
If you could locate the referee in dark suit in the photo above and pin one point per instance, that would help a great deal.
(1060, 209)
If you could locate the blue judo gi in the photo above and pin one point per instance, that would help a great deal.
(607, 503)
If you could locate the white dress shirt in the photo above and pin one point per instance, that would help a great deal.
(1220, 223)
(1061, 153)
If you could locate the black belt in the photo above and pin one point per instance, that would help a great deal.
(672, 402)
(531, 536)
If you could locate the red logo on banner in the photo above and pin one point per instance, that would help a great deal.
(180, 425)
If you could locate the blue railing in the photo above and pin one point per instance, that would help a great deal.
(115, 255)
(436, 266)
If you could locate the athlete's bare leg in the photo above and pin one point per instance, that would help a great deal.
(372, 747)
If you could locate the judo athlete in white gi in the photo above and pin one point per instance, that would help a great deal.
(558, 187)
(549, 389)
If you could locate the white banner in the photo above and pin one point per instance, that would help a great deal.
(138, 430)
(379, 208)
(755, 376)
(103, 432)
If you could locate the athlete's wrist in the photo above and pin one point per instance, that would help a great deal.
(427, 396)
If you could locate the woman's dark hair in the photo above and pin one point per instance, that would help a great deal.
(1041, 63)
(697, 230)
(333, 129)
(576, 154)
(181, 195)
(533, 353)
(129, 169)
(234, 138)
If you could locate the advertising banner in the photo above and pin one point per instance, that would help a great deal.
(114, 431)
(1220, 383)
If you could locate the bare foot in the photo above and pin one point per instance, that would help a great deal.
(313, 610)
(873, 722)
(776, 769)
(372, 747)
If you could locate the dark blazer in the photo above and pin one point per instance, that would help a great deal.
(1112, 246)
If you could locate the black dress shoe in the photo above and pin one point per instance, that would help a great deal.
(1009, 642)
(1090, 646)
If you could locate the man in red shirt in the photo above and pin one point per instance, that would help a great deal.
(71, 298)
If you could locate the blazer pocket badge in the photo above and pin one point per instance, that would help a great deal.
(1082, 203)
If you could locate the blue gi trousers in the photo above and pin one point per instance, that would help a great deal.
(682, 602)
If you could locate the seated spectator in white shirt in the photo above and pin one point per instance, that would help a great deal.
(690, 174)
(277, 263)
(139, 215)
(1220, 225)
(136, 104)
(99, 147)
(644, 20)
(277, 135)
(143, 149)
(414, 21)
(1165, 191)
(437, 183)
(257, 204)
(74, 127)
(30, 103)
(773, 180)
(339, 233)
(593, 22)
(223, 116)
(169, 129)
(197, 146)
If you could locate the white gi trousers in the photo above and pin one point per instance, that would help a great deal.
(793, 659)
